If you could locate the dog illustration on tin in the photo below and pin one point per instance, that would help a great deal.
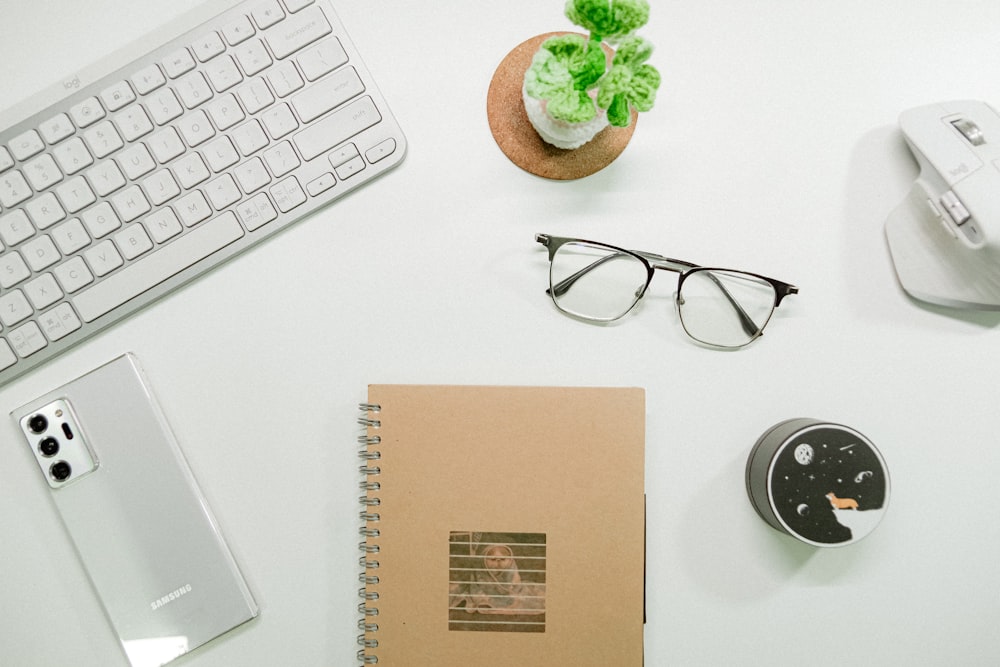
(842, 503)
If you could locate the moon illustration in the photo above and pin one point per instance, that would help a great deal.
(863, 475)
(804, 454)
(802, 509)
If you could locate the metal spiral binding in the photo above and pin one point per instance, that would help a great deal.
(369, 515)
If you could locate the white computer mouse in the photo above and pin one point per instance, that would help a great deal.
(945, 237)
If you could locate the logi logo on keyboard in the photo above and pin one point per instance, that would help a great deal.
(72, 83)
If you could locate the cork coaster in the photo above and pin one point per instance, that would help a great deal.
(520, 142)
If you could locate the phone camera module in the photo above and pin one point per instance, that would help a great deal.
(48, 447)
(60, 471)
(38, 423)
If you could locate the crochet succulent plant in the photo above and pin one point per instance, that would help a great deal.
(568, 68)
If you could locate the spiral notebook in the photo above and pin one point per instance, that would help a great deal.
(502, 526)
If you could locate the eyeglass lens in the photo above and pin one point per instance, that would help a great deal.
(596, 282)
(724, 308)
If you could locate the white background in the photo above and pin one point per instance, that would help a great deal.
(773, 147)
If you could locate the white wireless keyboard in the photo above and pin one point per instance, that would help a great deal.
(138, 180)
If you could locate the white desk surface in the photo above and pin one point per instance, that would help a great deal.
(773, 147)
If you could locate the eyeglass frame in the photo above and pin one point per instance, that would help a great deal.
(653, 261)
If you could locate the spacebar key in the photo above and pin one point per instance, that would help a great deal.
(150, 271)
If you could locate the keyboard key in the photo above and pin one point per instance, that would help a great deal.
(45, 210)
(87, 112)
(26, 144)
(136, 161)
(12, 269)
(328, 94)
(59, 322)
(13, 189)
(133, 241)
(249, 137)
(75, 194)
(178, 62)
(322, 58)
(252, 175)
(166, 145)
(161, 187)
(194, 90)
(43, 291)
(42, 172)
(238, 31)
(158, 266)
(190, 170)
(70, 236)
(267, 14)
(73, 274)
(336, 128)
(163, 225)
(40, 253)
(148, 79)
(298, 31)
(321, 184)
(221, 154)
(288, 194)
(253, 57)
(106, 177)
(296, 5)
(15, 227)
(133, 123)
(101, 220)
(130, 203)
(281, 159)
(196, 128)
(103, 258)
(225, 111)
(381, 150)
(72, 155)
(193, 208)
(255, 96)
(222, 192)
(279, 121)
(6, 161)
(223, 73)
(103, 139)
(208, 46)
(56, 128)
(117, 96)
(284, 79)
(256, 212)
(27, 340)
(163, 106)
(14, 308)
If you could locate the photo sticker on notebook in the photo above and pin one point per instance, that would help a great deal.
(496, 582)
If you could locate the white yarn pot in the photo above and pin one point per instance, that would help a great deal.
(560, 133)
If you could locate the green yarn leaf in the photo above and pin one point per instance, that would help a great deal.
(629, 83)
(608, 18)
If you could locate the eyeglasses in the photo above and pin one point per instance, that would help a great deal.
(602, 283)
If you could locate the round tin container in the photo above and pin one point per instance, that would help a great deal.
(824, 484)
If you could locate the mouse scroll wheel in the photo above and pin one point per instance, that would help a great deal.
(970, 131)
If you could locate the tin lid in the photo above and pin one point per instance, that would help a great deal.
(826, 484)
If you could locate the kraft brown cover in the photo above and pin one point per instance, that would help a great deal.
(566, 463)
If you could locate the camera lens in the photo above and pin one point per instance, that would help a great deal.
(60, 471)
(38, 423)
(48, 446)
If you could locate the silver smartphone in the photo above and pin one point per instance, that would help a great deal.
(138, 520)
